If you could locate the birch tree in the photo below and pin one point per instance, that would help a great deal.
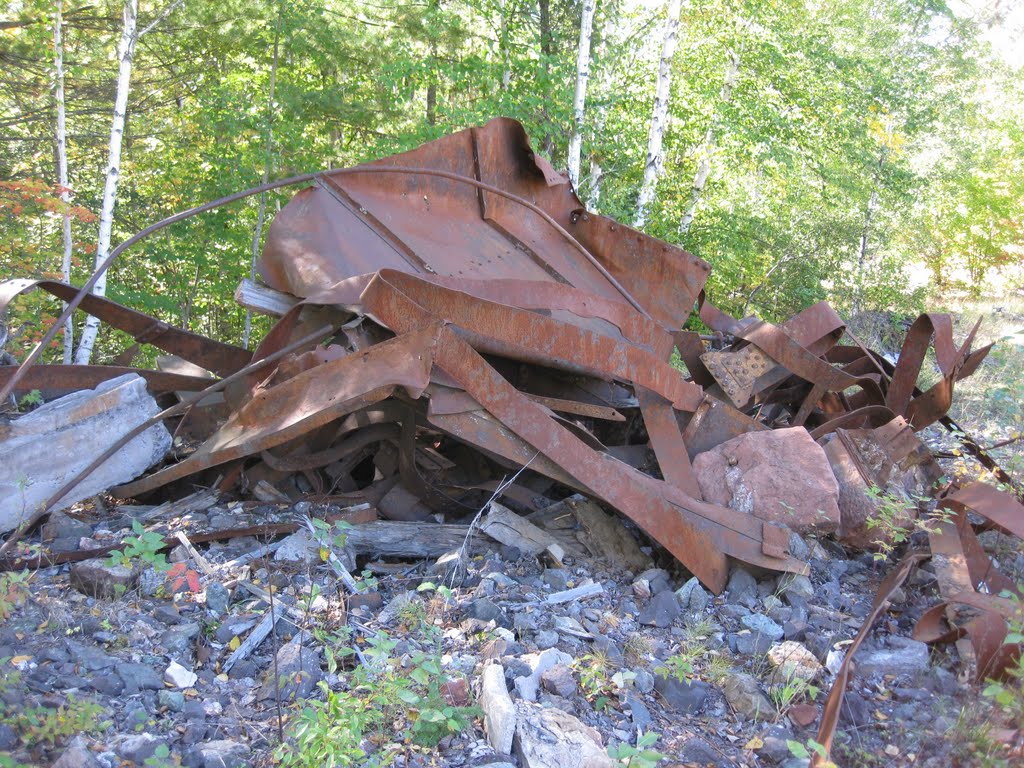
(659, 115)
(62, 166)
(707, 145)
(579, 100)
(130, 35)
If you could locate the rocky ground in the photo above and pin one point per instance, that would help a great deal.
(135, 665)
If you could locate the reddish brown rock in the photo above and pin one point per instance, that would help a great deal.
(782, 476)
(860, 461)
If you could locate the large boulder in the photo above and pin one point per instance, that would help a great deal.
(781, 476)
(893, 463)
(44, 449)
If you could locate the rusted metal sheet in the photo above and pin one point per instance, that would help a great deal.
(222, 359)
(58, 380)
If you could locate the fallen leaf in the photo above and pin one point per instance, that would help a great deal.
(235, 642)
(892, 750)
(17, 660)
(754, 743)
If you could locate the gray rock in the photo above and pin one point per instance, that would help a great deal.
(638, 712)
(217, 598)
(683, 696)
(567, 625)
(527, 686)
(903, 657)
(180, 676)
(761, 624)
(140, 677)
(776, 749)
(107, 684)
(173, 700)
(61, 526)
(8, 737)
(741, 588)
(699, 752)
(88, 657)
(855, 711)
(95, 578)
(75, 755)
(138, 747)
(798, 547)
(661, 611)
(298, 672)
(487, 610)
(744, 695)
(556, 578)
(550, 738)
(796, 584)
(644, 681)
(222, 753)
(548, 638)
(180, 640)
(559, 681)
(651, 582)
(750, 643)
(692, 597)
(499, 711)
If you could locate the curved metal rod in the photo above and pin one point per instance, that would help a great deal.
(91, 282)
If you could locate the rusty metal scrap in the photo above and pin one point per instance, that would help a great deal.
(460, 315)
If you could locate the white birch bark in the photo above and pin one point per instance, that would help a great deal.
(707, 146)
(506, 74)
(579, 100)
(659, 115)
(130, 35)
(596, 174)
(62, 166)
(267, 162)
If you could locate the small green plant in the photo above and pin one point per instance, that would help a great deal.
(30, 400)
(592, 669)
(1008, 693)
(49, 725)
(894, 520)
(792, 690)
(678, 665)
(640, 756)
(145, 546)
(637, 647)
(803, 751)
(14, 590)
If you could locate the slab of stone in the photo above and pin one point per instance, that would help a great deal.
(222, 753)
(139, 677)
(95, 578)
(686, 697)
(692, 597)
(903, 657)
(559, 681)
(778, 475)
(41, 451)
(741, 588)
(661, 611)
(298, 672)
(763, 625)
(499, 711)
(551, 738)
(77, 755)
(744, 695)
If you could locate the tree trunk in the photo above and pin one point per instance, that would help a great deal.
(596, 174)
(707, 146)
(62, 168)
(579, 100)
(125, 50)
(862, 247)
(267, 162)
(659, 115)
(506, 73)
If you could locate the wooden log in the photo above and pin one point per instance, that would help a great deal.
(504, 525)
(389, 538)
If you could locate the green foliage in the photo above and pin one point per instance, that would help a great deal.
(678, 666)
(30, 400)
(144, 546)
(640, 756)
(14, 590)
(803, 751)
(1008, 694)
(44, 724)
(386, 694)
(896, 519)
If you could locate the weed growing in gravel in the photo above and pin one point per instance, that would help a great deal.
(145, 546)
(793, 690)
(894, 520)
(389, 694)
(640, 756)
(637, 648)
(48, 725)
(803, 751)
(14, 591)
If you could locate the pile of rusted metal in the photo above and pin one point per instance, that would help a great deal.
(452, 317)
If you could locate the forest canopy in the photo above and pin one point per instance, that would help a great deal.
(865, 151)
